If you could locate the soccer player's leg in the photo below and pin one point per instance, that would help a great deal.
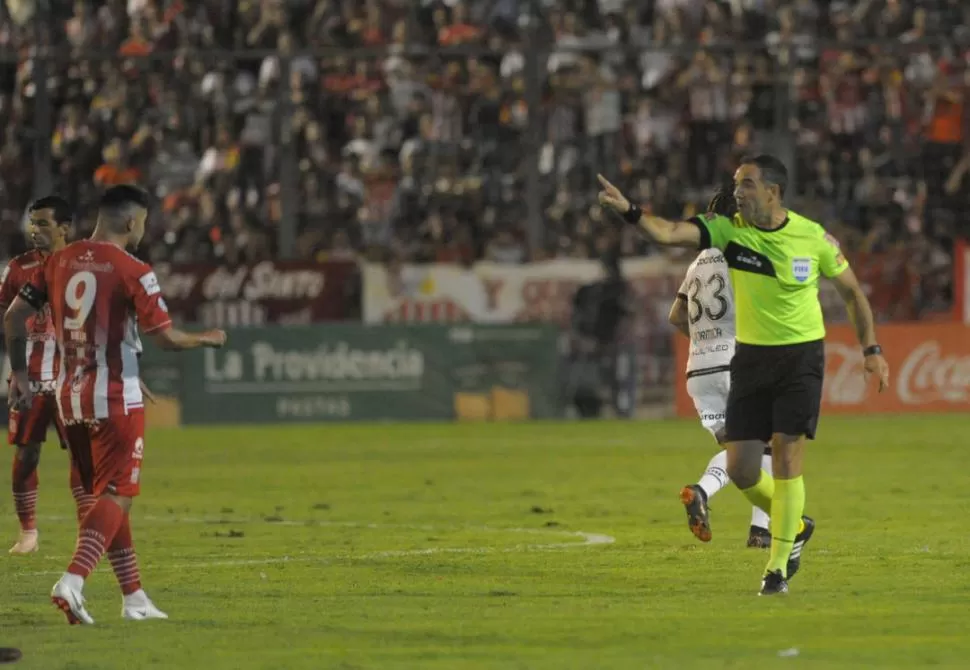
(797, 404)
(709, 393)
(126, 441)
(67, 592)
(695, 497)
(121, 551)
(27, 431)
(81, 472)
(118, 448)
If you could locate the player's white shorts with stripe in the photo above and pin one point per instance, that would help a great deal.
(710, 394)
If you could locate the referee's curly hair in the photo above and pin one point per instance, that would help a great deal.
(723, 202)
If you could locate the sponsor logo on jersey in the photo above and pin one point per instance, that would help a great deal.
(149, 282)
(801, 268)
(716, 258)
(748, 260)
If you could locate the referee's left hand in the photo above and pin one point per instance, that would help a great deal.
(877, 365)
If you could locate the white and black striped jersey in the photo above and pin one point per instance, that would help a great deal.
(710, 308)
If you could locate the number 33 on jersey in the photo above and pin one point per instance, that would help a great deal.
(99, 296)
(710, 309)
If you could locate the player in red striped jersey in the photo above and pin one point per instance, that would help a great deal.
(48, 227)
(49, 224)
(100, 296)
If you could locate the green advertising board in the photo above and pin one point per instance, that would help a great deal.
(161, 370)
(368, 373)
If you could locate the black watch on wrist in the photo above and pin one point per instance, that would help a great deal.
(633, 214)
(874, 350)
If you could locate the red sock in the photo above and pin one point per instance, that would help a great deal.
(82, 499)
(98, 530)
(25, 483)
(121, 553)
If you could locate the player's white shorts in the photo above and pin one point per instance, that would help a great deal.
(710, 395)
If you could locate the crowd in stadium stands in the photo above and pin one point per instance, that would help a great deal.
(426, 157)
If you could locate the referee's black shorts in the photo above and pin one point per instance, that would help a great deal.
(775, 390)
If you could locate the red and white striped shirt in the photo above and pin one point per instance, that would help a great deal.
(43, 361)
(99, 296)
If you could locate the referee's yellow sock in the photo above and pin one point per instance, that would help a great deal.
(762, 493)
(787, 506)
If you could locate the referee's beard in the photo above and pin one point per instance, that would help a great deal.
(753, 212)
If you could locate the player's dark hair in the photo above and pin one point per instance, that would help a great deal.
(124, 195)
(723, 202)
(63, 213)
(773, 171)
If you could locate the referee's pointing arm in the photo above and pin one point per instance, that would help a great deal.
(661, 231)
(689, 234)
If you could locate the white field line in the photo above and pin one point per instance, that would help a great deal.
(587, 540)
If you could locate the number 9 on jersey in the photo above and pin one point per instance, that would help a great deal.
(79, 296)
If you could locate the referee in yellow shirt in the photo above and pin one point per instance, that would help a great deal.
(776, 258)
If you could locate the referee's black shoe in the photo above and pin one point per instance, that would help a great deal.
(795, 560)
(698, 514)
(773, 583)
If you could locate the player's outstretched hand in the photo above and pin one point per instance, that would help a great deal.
(214, 338)
(611, 198)
(879, 366)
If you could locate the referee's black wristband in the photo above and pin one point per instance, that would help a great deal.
(874, 350)
(633, 214)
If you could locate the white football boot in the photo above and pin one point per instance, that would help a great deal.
(66, 595)
(139, 607)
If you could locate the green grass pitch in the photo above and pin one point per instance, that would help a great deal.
(459, 546)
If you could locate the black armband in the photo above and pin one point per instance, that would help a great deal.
(33, 296)
(705, 242)
(633, 214)
(18, 354)
(874, 350)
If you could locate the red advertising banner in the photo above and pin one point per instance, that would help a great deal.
(929, 366)
(270, 292)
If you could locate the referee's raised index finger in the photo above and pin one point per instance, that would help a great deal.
(604, 182)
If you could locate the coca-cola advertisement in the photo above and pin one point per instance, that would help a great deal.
(269, 292)
(929, 371)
